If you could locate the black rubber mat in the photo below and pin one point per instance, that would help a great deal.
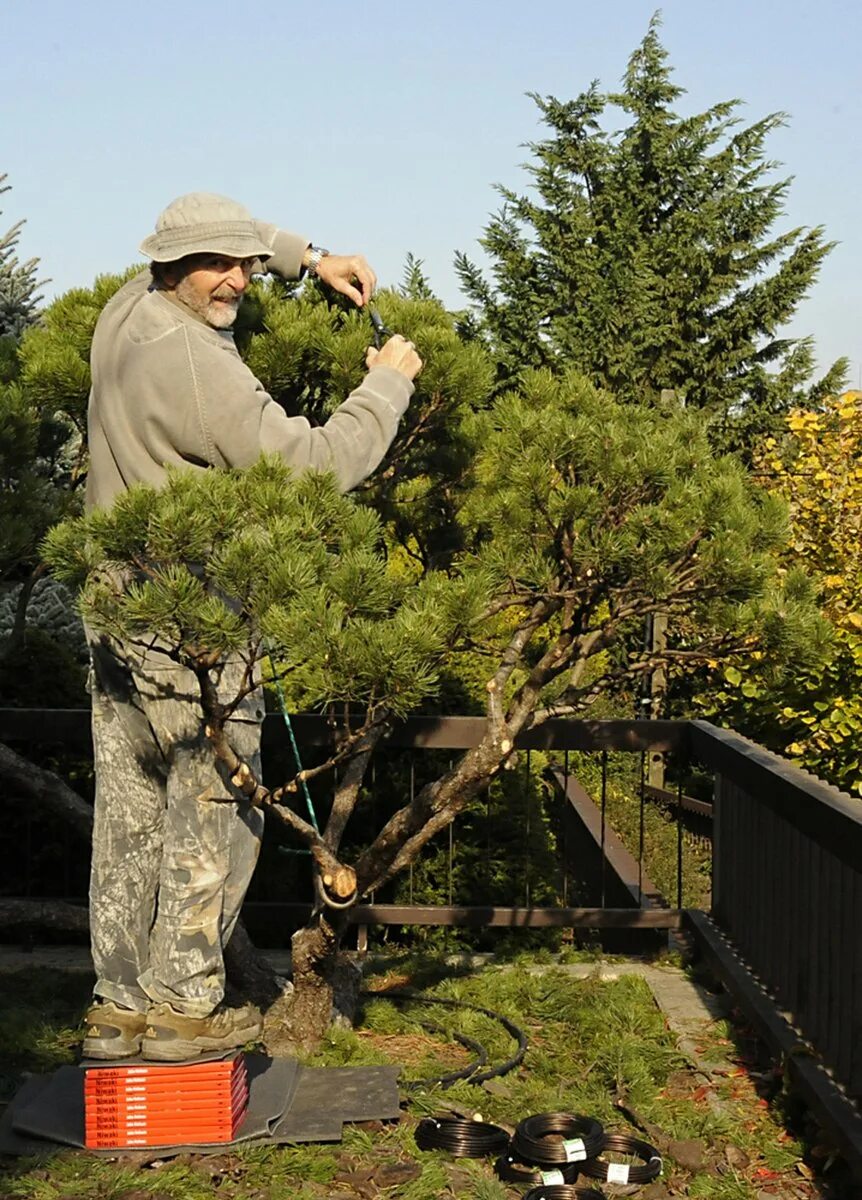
(17, 1143)
(326, 1097)
(287, 1103)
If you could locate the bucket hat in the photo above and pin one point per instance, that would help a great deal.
(201, 223)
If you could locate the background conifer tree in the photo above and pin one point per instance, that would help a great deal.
(19, 300)
(651, 256)
(44, 386)
(26, 494)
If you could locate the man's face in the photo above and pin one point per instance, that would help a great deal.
(212, 286)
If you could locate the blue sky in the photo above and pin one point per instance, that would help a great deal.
(383, 127)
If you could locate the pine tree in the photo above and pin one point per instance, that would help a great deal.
(308, 353)
(42, 418)
(18, 296)
(576, 516)
(44, 387)
(648, 258)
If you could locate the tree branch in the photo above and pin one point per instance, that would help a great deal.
(514, 599)
(19, 623)
(246, 781)
(44, 914)
(347, 792)
(407, 831)
(46, 790)
(519, 641)
(575, 700)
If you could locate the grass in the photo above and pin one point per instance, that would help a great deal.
(659, 828)
(593, 1045)
(660, 848)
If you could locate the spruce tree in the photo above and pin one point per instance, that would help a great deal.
(18, 296)
(651, 258)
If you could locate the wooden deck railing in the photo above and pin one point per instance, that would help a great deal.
(787, 889)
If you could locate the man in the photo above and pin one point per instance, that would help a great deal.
(170, 868)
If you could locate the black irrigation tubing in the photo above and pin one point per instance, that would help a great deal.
(611, 1172)
(413, 1085)
(511, 1028)
(460, 1137)
(551, 1139)
(511, 1171)
(562, 1191)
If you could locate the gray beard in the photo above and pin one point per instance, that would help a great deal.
(218, 315)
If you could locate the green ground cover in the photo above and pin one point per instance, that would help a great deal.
(623, 811)
(594, 1046)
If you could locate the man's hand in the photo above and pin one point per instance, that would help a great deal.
(397, 353)
(341, 271)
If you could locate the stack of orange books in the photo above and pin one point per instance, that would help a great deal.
(146, 1104)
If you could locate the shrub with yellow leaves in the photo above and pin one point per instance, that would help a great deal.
(813, 714)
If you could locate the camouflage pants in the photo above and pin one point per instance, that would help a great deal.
(170, 866)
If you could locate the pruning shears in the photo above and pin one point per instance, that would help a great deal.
(380, 330)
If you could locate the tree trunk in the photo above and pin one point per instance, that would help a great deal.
(46, 791)
(19, 625)
(324, 988)
(33, 915)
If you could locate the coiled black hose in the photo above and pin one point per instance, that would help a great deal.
(460, 1137)
(511, 1171)
(623, 1143)
(563, 1191)
(410, 994)
(557, 1138)
(445, 1081)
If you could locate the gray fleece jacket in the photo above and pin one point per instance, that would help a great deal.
(169, 390)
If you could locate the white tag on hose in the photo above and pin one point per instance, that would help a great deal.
(618, 1173)
(575, 1149)
(552, 1177)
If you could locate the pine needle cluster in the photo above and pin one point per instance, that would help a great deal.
(589, 513)
(264, 563)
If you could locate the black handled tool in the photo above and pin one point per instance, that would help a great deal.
(380, 330)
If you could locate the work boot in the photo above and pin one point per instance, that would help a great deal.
(171, 1036)
(112, 1031)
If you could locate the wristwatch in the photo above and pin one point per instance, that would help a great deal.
(311, 258)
